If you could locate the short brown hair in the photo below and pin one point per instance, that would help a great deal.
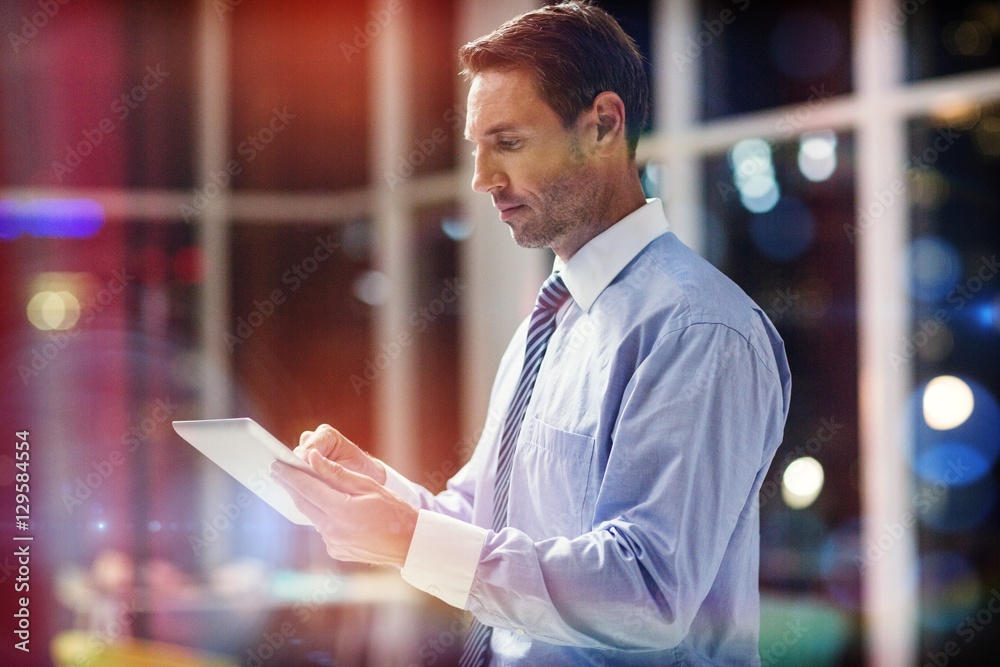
(575, 51)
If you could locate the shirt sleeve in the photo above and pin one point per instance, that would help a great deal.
(455, 501)
(698, 423)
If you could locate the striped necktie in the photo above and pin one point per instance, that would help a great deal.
(543, 322)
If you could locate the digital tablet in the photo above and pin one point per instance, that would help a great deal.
(245, 450)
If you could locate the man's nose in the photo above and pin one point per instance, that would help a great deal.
(488, 175)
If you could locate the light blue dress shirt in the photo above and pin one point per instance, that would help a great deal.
(633, 533)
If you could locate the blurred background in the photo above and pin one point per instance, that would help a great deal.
(237, 208)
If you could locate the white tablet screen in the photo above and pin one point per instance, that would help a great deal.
(246, 450)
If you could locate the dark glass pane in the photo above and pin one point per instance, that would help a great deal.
(953, 410)
(300, 94)
(944, 38)
(297, 327)
(635, 17)
(757, 55)
(434, 328)
(436, 116)
(98, 94)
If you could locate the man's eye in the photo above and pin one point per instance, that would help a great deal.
(508, 144)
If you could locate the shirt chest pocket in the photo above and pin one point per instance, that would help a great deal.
(550, 480)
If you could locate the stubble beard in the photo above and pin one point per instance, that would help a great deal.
(565, 207)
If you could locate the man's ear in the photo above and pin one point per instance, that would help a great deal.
(608, 112)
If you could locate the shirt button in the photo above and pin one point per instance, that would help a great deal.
(519, 631)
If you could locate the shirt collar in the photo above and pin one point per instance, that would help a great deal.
(596, 264)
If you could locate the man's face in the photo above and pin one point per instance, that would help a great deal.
(527, 160)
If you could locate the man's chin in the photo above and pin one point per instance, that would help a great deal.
(526, 239)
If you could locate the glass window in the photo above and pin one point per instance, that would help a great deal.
(301, 114)
(434, 327)
(953, 409)
(635, 17)
(300, 320)
(945, 38)
(98, 94)
(437, 116)
(757, 55)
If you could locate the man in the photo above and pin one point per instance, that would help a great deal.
(610, 516)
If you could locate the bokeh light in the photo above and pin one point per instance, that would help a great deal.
(966, 450)
(955, 509)
(948, 402)
(928, 188)
(50, 218)
(760, 194)
(986, 136)
(373, 288)
(753, 174)
(935, 268)
(967, 38)
(53, 311)
(456, 229)
(818, 155)
(802, 482)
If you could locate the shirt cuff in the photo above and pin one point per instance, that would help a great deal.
(401, 486)
(443, 557)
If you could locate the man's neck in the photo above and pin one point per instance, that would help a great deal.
(616, 201)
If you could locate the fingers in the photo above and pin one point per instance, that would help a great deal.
(341, 478)
(324, 439)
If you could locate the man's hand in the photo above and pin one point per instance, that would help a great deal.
(358, 518)
(332, 445)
